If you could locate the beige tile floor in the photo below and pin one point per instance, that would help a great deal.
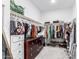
(49, 52)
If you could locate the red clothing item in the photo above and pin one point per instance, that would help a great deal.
(34, 31)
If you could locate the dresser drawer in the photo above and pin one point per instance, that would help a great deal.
(33, 54)
(18, 54)
(18, 45)
(31, 44)
(18, 57)
(18, 50)
(16, 38)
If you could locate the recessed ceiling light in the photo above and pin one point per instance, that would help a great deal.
(53, 1)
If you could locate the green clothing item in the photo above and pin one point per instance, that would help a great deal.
(50, 32)
(16, 8)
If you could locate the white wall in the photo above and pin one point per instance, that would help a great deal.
(74, 11)
(62, 14)
(30, 11)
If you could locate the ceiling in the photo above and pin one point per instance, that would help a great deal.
(46, 5)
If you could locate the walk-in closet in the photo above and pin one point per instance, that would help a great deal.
(39, 29)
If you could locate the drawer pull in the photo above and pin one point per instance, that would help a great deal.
(37, 49)
(19, 51)
(31, 55)
(31, 48)
(32, 43)
(19, 44)
(36, 41)
(19, 37)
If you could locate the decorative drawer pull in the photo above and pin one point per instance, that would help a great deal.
(37, 45)
(37, 49)
(19, 51)
(31, 55)
(31, 48)
(32, 43)
(19, 44)
(19, 37)
(36, 41)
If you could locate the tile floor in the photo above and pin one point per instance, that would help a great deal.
(49, 52)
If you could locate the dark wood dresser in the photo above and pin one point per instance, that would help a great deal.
(32, 47)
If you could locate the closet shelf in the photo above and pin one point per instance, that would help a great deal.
(24, 17)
